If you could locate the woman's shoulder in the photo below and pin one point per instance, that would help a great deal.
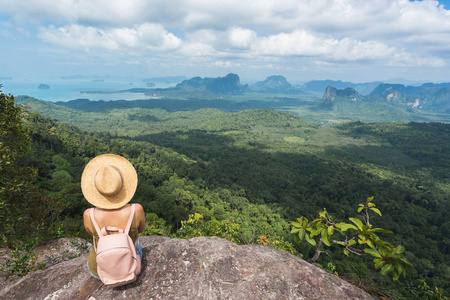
(138, 208)
(86, 213)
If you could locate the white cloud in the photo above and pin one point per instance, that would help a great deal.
(359, 19)
(304, 43)
(350, 49)
(240, 38)
(197, 49)
(145, 36)
(268, 15)
(299, 42)
(411, 60)
(239, 33)
(226, 64)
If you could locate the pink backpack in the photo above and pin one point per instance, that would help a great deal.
(117, 261)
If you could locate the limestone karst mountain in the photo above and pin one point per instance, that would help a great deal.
(332, 94)
(229, 84)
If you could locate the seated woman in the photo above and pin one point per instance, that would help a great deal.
(109, 182)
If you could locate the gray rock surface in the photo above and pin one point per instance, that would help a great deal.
(199, 268)
(46, 255)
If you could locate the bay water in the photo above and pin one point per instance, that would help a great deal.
(71, 89)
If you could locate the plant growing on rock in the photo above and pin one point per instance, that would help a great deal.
(358, 237)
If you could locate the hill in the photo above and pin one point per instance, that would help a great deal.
(276, 84)
(428, 97)
(229, 84)
(333, 95)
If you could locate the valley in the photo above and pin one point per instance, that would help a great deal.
(259, 167)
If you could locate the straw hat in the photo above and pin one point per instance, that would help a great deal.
(109, 181)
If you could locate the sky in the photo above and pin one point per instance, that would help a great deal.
(350, 40)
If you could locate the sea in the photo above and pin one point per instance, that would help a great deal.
(73, 88)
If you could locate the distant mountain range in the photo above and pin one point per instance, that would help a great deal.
(427, 97)
(380, 101)
(321, 85)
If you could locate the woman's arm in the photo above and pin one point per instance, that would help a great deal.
(140, 218)
(87, 221)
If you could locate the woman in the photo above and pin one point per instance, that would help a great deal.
(109, 182)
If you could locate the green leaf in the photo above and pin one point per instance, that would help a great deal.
(330, 230)
(325, 238)
(351, 242)
(386, 269)
(360, 209)
(294, 229)
(316, 232)
(407, 262)
(396, 276)
(401, 269)
(346, 252)
(310, 240)
(366, 229)
(373, 252)
(301, 234)
(301, 220)
(357, 222)
(369, 242)
(295, 224)
(378, 263)
(400, 249)
(376, 210)
(346, 226)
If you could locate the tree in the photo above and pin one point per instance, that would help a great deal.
(25, 212)
(356, 237)
(197, 226)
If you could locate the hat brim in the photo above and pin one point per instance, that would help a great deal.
(129, 185)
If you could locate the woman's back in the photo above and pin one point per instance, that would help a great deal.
(115, 217)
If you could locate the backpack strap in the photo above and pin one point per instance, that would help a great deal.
(102, 232)
(130, 219)
(107, 229)
(96, 227)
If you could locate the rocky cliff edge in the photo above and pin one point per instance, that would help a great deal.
(199, 268)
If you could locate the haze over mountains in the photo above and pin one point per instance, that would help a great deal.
(354, 101)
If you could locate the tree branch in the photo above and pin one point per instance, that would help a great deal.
(317, 254)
